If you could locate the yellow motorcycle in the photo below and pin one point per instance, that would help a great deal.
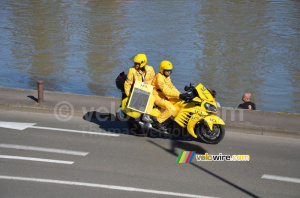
(194, 116)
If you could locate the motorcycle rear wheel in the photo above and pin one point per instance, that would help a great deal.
(211, 137)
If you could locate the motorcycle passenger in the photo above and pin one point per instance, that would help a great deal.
(164, 92)
(140, 72)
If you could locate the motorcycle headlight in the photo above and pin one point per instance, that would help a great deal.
(210, 107)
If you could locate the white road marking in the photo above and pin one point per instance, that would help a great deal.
(75, 131)
(101, 186)
(16, 125)
(35, 159)
(50, 150)
(23, 126)
(281, 178)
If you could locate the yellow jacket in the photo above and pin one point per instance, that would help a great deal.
(134, 75)
(164, 88)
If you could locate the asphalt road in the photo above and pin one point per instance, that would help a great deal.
(46, 161)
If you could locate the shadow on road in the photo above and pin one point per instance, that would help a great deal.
(182, 145)
(33, 98)
(107, 122)
(199, 150)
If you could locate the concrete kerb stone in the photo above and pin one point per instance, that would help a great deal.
(237, 120)
(260, 122)
(35, 109)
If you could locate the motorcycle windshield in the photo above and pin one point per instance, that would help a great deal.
(204, 94)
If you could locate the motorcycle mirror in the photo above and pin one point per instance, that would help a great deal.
(186, 88)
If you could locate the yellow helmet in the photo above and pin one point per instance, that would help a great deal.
(165, 65)
(140, 58)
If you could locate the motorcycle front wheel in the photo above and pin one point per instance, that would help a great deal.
(210, 136)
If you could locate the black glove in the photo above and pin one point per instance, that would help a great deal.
(183, 96)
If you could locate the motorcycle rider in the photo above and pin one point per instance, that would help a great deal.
(140, 72)
(164, 92)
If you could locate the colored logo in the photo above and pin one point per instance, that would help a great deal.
(185, 157)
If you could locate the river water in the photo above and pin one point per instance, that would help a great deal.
(232, 46)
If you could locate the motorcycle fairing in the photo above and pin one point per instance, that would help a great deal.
(210, 120)
(191, 124)
(131, 113)
(204, 94)
(213, 119)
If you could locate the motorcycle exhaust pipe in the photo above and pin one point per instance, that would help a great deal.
(148, 126)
